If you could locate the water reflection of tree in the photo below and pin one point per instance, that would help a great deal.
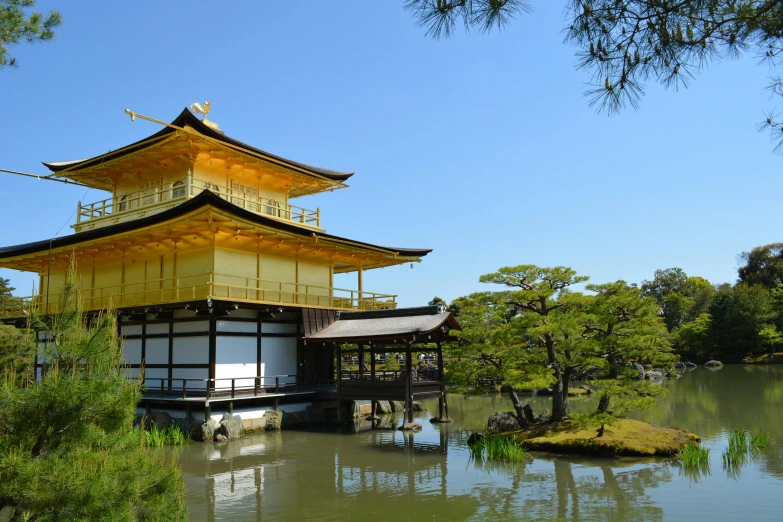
(710, 402)
(603, 490)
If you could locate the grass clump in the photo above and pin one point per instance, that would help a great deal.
(742, 446)
(759, 440)
(498, 448)
(172, 435)
(693, 455)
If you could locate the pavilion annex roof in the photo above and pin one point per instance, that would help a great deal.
(414, 324)
(185, 136)
(208, 215)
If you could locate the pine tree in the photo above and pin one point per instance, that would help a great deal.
(620, 327)
(539, 295)
(68, 448)
(17, 24)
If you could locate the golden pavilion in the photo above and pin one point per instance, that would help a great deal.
(224, 287)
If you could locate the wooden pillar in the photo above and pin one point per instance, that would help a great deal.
(171, 350)
(360, 284)
(372, 363)
(441, 401)
(339, 350)
(409, 383)
(361, 362)
(440, 362)
(372, 377)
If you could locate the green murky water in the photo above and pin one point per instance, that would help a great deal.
(385, 475)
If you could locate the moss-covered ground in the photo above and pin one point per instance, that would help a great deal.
(624, 437)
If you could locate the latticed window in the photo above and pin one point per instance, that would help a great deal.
(271, 207)
(245, 196)
(122, 204)
(178, 190)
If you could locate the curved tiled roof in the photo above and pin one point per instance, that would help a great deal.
(202, 200)
(387, 324)
(187, 118)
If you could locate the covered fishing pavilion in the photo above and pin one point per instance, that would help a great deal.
(405, 331)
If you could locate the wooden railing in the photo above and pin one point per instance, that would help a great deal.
(422, 374)
(233, 387)
(142, 201)
(204, 286)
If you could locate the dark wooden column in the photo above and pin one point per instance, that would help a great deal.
(361, 362)
(409, 382)
(441, 411)
(339, 350)
(372, 376)
(171, 349)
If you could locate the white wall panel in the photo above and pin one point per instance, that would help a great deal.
(158, 328)
(236, 326)
(278, 357)
(157, 351)
(150, 373)
(191, 350)
(131, 350)
(235, 357)
(131, 329)
(191, 326)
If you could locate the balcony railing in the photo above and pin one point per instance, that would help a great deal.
(209, 285)
(161, 197)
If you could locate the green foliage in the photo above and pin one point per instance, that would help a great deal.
(498, 448)
(762, 266)
(759, 439)
(17, 23)
(68, 449)
(17, 354)
(544, 326)
(743, 446)
(681, 298)
(693, 455)
(5, 289)
(694, 340)
(621, 326)
(624, 44)
(172, 435)
(738, 315)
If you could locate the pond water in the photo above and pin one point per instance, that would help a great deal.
(383, 475)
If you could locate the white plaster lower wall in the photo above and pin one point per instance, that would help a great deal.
(235, 357)
(278, 357)
(190, 373)
(191, 350)
(257, 412)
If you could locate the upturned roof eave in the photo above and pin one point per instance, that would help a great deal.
(186, 118)
(204, 199)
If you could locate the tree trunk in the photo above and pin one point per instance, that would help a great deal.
(559, 397)
(559, 403)
(512, 393)
(566, 384)
(603, 404)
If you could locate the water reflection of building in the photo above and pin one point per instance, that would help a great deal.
(300, 475)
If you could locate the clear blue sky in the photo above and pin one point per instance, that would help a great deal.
(481, 147)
